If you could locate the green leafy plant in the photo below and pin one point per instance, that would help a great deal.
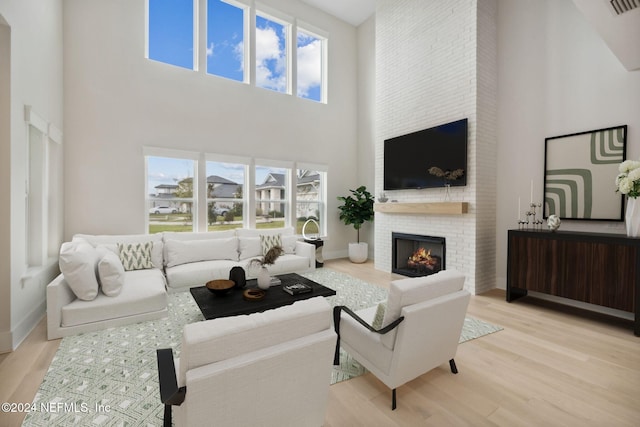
(357, 208)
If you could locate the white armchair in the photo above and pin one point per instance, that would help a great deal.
(420, 329)
(269, 369)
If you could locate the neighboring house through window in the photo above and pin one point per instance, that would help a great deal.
(181, 199)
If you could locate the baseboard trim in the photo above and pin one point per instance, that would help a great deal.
(26, 325)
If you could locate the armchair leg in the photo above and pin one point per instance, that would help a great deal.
(167, 416)
(452, 364)
(393, 399)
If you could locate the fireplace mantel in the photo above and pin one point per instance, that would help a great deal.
(439, 208)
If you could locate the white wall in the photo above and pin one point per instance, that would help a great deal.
(36, 80)
(556, 77)
(366, 116)
(116, 102)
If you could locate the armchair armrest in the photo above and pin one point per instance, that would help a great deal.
(170, 394)
(307, 250)
(336, 324)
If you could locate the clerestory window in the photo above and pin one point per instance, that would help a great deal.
(226, 47)
(170, 32)
(280, 65)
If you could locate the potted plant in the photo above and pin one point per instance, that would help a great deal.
(264, 278)
(356, 210)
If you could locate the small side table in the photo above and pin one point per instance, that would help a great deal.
(318, 243)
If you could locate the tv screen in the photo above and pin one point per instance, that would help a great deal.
(427, 158)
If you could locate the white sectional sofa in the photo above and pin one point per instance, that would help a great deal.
(177, 261)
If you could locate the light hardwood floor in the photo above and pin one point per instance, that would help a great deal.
(550, 366)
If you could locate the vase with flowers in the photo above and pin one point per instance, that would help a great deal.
(269, 258)
(628, 183)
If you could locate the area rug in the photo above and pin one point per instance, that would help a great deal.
(109, 377)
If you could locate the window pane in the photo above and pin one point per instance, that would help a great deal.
(309, 66)
(271, 197)
(225, 40)
(170, 35)
(225, 195)
(310, 201)
(271, 57)
(170, 199)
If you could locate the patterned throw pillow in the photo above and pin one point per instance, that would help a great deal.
(135, 256)
(377, 319)
(267, 242)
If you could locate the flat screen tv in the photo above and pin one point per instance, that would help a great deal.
(428, 158)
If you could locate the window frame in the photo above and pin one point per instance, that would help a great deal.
(250, 201)
(178, 155)
(287, 22)
(323, 36)
(246, 18)
(286, 201)
(322, 193)
(246, 162)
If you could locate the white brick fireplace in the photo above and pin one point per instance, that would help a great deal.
(436, 63)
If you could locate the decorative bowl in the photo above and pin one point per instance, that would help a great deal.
(220, 286)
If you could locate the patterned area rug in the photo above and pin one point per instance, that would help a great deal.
(109, 377)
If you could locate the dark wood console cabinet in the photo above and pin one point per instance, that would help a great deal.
(596, 268)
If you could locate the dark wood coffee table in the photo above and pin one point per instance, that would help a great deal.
(233, 303)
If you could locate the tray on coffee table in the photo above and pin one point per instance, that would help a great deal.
(233, 303)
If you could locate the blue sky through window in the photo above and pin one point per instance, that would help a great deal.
(171, 32)
(171, 41)
(167, 170)
(271, 58)
(225, 40)
(309, 66)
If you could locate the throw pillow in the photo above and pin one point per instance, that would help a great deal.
(379, 317)
(135, 256)
(267, 242)
(78, 265)
(111, 274)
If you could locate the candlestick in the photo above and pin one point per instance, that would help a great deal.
(531, 201)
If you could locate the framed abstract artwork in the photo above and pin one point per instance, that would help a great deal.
(579, 175)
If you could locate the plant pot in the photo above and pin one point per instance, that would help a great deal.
(358, 252)
(264, 278)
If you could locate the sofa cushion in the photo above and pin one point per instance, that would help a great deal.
(111, 274)
(143, 292)
(111, 240)
(411, 291)
(249, 247)
(198, 273)
(135, 256)
(78, 262)
(221, 339)
(187, 251)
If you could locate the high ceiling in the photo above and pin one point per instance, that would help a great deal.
(355, 12)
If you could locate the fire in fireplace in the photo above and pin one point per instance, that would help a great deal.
(416, 255)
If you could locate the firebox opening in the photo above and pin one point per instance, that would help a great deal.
(415, 255)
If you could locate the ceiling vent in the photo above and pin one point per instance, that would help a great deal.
(618, 7)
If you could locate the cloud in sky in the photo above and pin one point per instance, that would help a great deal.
(309, 63)
(210, 49)
(270, 60)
